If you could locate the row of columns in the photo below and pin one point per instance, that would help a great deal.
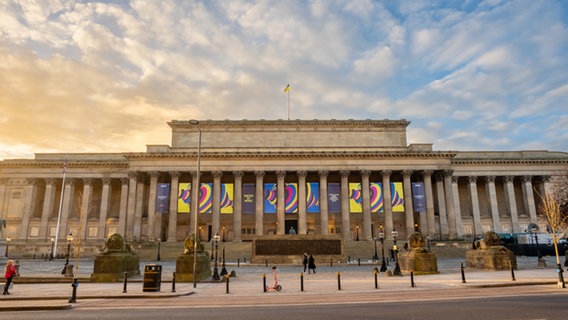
(133, 192)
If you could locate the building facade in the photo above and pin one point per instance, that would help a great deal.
(267, 177)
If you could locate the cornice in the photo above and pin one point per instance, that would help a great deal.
(187, 124)
(509, 161)
(70, 164)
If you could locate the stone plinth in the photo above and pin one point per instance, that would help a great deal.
(419, 261)
(491, 258)
(184, 267)
(117, 259)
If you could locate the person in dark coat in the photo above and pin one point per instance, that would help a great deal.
(305, 261)
(311, 264)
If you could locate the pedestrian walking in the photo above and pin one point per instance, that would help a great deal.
(9, 273)
(311, 264)
(305, 261)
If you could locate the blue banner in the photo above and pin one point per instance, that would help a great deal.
(418, 197)
(334, 198)
(162, 197)
(248, 198)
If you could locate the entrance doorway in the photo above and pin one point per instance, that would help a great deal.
(291, 226)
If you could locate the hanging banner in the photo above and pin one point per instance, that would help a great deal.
(248, 198)
(270, 197)
(206, 198)
(184, 197)
(397, 195)
(334, 198)
(227, 194)
(312, 197)
(418, 197)
(376, 191)
(162, 197)
(355, 198)
(291, 196)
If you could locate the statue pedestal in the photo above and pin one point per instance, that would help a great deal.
(184, 267)
(491, 258)
(419, 261)
(111, 267)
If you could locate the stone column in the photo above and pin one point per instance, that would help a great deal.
(105, 205)
(408, 205)
(85, 205)
(131, 209)
(123, 207)
(172, 215)
(140, 192)
(456, 203)
(68, 195)
(29, 200)
(511, 203)
(528, 197)
(3, 183)
(259, 203)
(302, 223)
(238, 206)
(151, 222)
(493, 203)
(450, 204)
(430, 217)
(324, 198)
(216, 206)
(546, 185)
(345, 219)
(48, 202)
(387, 203)
(366, 205)
(442, 205)
(472, 186)
(280, 202)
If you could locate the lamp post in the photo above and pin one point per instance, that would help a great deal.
(8, 240)
(534, 231)
(223, 269)
(158, 258)
(382, 239)
(69, 238)
(375, 257)
(223, 234)
(195, 214)
(357, 227)
(51, 250)
(397, 266)
(216, 276)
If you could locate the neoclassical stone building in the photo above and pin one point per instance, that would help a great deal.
(263, 177)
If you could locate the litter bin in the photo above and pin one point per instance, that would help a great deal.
(152, 277)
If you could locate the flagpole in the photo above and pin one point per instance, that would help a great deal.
(288, 104)
(60, 206)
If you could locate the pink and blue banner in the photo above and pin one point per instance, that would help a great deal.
(312, 197)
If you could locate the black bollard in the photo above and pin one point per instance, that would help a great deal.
(376, 272)
(264, 282)
(512, 271)
(412, 285)
(359, 261)
(302, 281)
(125, 282)
(74, 285)
(227, 278)
(462, 272)
(331, 262)
(338, 281)
(174, 282)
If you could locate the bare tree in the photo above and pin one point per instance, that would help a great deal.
(557, 225)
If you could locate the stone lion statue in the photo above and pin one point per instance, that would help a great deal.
(115, 243)
(490, 239)
(416, 242)
(189, 244)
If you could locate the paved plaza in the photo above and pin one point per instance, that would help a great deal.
(35, 287)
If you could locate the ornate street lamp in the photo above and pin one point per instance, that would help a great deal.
(375, 256)
(158, 258)
(216, 276)
(223, 234)
(223, 269)
(397, 266)
(533, 227)
(8, 240)
(69, 238)
(382, 239)
(52, 246)
(357, 227)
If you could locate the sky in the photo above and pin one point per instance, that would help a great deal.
(107, 76)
